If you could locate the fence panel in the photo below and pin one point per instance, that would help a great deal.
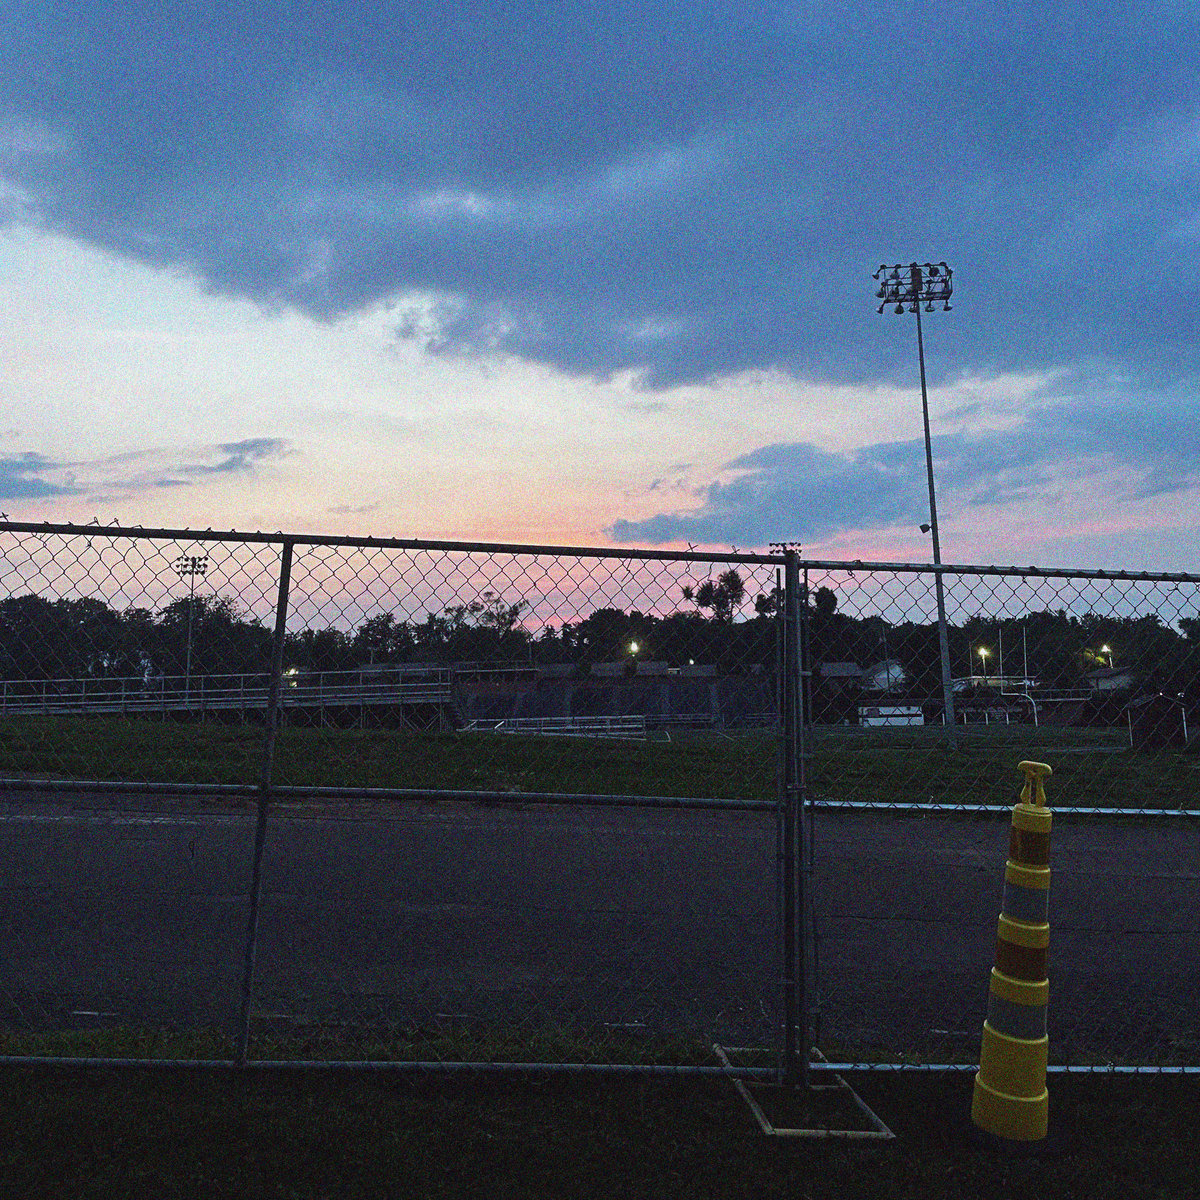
(525, 802)
(521, 802)
(490, 682)
(1095, 674)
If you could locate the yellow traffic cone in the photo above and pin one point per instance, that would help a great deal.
(1010, 1098)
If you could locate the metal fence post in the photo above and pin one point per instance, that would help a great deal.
(264, 797)
(795, 1008)
(944, 652)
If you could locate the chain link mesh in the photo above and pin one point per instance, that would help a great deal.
(1099, 677)
(1096, 674)
(524, 801)
(905, 911)
(429, 889)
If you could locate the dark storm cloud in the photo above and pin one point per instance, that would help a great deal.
(800, 491)
(679, 190)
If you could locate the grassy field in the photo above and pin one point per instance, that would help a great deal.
(1091, 767)
(107, 1133)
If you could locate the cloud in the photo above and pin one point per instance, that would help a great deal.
(31, 476)
(353, 510)
(799, 491)
(236, 457)
(681, 192)
(23, 477)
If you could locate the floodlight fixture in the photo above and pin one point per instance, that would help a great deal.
(188, 566)
(191, 564)
(914, 285)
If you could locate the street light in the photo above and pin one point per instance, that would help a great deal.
(915, 285)
(1107, 650)
(189, 566)
(983, 653)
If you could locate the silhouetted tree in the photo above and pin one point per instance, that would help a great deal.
(721, 596)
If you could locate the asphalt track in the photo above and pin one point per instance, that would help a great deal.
(642, 920)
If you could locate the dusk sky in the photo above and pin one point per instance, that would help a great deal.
(601, 273)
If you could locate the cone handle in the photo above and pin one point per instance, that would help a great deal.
(1035, 773)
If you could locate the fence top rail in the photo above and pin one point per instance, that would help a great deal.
(134, 532)
(964, 569)
(849, 566)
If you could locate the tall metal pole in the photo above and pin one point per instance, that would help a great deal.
(190, 565)
(939, 588)
(187, 666)
(914, 285)
(264, 800)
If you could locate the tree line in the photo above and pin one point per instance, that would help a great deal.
(716, 622)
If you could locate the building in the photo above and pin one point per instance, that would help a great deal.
(1109, 679)
(885, 676)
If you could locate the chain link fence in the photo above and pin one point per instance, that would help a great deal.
(1097, 672)
(275, 797)
(373, 800)
(1094, 673)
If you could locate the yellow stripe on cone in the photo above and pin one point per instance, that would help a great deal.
(1010, 1098)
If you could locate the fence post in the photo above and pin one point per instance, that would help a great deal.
(795, 984)
(271, 721)
(944, 653)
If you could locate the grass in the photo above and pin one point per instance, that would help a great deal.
(1092, 767)
(108, 1133)
(314, 1041)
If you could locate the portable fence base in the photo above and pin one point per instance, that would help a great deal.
(847, 1117)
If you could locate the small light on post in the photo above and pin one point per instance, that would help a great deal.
(983, 653)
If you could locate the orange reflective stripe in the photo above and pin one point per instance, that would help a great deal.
(1022, 962)
(1029, 847)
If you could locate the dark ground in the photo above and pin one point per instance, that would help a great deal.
(111, 1134)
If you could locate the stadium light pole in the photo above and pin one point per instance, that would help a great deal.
(189, 566)
(915, 285)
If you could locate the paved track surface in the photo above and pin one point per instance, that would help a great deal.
(657, 920)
